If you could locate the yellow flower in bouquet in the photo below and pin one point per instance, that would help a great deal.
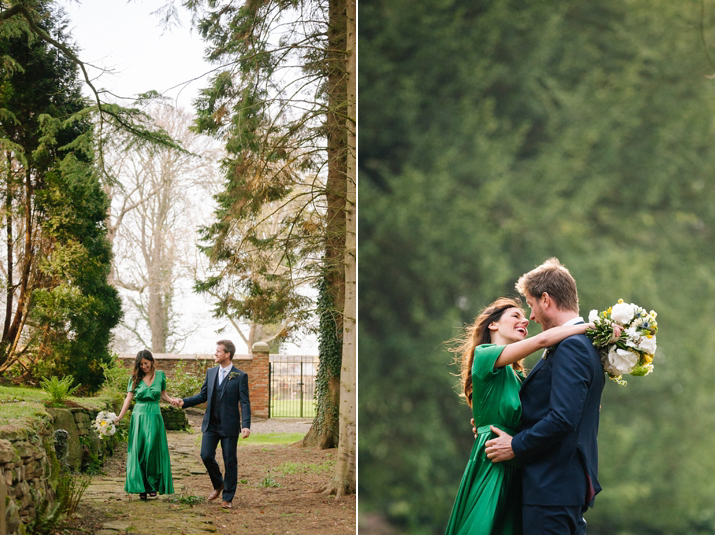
(104, 424)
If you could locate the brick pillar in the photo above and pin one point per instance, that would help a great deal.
(259, 381)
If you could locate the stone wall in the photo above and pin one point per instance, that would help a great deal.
(29, 467)
(29, 470)
(255, 365)
(83, 443)
(174, 418)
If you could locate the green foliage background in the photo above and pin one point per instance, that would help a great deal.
(49, 183)
(493, 135)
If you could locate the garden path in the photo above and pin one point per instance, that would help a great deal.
(276, 492)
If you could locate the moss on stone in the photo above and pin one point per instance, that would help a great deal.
(64, 419)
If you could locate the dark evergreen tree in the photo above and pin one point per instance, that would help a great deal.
(59, 308)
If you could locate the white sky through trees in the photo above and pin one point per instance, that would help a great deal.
(128, 39)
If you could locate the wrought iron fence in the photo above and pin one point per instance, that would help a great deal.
(292, 386)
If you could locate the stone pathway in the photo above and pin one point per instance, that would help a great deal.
(126, 514)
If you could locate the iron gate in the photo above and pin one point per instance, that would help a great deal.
(292, 386)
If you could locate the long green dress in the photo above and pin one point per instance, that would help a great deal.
(148, 463)
(489, 498)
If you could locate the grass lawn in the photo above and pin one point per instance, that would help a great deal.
(271, 438)
(290, 408)
(24, 403)
(21, 411)
(18, 404)
(19, 393)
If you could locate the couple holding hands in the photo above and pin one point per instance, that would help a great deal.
(224, 388)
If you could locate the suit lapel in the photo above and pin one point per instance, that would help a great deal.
(211, 380)
(533, 372)
(542, 361)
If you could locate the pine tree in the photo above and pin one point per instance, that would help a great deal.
(286, 133)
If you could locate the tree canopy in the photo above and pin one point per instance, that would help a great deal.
(59, 308)
(281, 101)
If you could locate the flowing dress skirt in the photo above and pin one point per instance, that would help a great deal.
(488, 501)
(489, 498)
(148, 463)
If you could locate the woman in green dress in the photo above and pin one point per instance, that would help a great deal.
(488, 501)
(148, 463)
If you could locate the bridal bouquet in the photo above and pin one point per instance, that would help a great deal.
(625, 336)
(104, 424)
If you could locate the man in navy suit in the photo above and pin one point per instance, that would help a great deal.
(561, 400)
(224, 388)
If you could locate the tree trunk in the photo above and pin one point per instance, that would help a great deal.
(14, 332)
(322, 436)
(10, 268)
(158, 320)
(158, 273)
(326, 435)
(343, 480)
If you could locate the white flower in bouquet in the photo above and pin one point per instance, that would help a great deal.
(104, 424)
(620, 361)
(631, 333)
(647, 345)
(636, 340)
(623, 313)
(626, 337)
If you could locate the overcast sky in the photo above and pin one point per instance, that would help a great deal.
(128, 39)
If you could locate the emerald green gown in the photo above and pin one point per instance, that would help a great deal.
(488, 501)
(148, 463)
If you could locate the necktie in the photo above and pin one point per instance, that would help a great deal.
(222, 376)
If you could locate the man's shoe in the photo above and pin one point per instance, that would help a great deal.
(215, 493)
(226, 505)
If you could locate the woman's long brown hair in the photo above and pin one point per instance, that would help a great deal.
(477, 334)
(138, 374)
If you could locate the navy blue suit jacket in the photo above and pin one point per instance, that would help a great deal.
(234, 392)
(557, 445)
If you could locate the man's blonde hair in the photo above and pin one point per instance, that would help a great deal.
(551, 278)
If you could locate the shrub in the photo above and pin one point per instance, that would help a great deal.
(186, 382)
(59, 389)
(47, 516)
(70, 490)
(116, 377)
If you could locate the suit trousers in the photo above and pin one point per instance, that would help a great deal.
(554, 520)
(209, 442)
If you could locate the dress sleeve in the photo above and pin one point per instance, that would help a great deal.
(485, 356)
(163, 381)
(129, 385)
